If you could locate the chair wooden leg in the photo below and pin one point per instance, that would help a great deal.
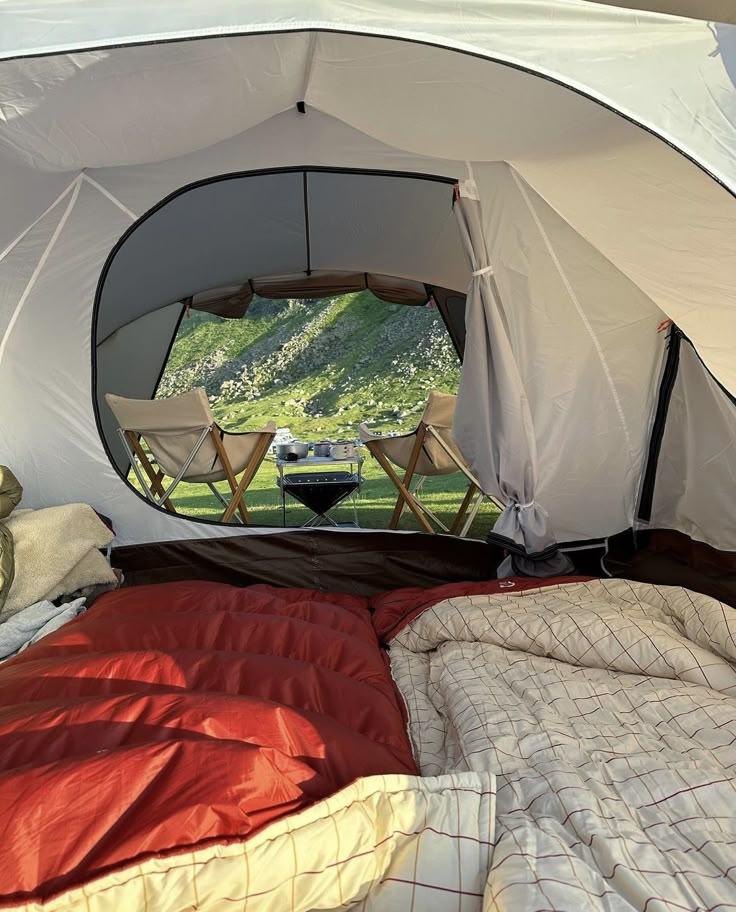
(227, 467)
(404, 493)
(408, 475)
(153, 476)
(467, 500)
(245, 479)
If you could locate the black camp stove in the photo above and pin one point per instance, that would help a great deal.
(320, 492)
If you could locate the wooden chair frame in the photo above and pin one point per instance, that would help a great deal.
(408, 498)
(160, 496)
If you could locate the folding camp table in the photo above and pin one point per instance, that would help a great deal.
(324, 488)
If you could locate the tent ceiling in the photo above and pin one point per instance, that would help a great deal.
(672, 78)
(257, 78)
(224, 232)
(65, 124)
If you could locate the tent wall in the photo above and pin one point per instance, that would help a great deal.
(19, 266)
(585, 341)
(451, 306)
(259, 227)
(695, 489)
(286, 140)
(25, 196)
(364, 564)
(132, 359)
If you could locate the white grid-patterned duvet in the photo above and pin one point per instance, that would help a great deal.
(607, 709)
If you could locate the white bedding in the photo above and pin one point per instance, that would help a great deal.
(607, 710)
(383, 844)
(32, 624)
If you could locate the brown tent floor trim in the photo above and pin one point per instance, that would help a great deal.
(361, 564)
(669, 558)
(372, 562)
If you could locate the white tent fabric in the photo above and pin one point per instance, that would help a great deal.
(565, 303)
(493, 423)
(596, 228)
(514, 417)
(699, 443)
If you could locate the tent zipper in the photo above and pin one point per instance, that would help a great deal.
(666, 386)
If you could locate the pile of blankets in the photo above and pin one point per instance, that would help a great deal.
(50, 562)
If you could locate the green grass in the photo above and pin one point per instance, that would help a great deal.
(320, 368)
(375, 502)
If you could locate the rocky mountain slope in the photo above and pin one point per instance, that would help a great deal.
(319, 367)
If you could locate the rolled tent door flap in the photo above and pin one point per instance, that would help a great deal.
(230, 303)
(493, 423)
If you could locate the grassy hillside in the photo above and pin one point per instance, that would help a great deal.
(319, 368)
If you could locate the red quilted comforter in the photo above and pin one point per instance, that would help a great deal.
(170, 716)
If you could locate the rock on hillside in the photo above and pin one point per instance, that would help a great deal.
(317, 355)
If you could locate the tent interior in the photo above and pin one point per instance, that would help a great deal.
(591, 232)
(208, 713)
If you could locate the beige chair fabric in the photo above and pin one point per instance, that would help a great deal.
(172, 428)
(428, 451)
(433, 458)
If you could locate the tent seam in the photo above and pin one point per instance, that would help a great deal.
(586, 323)
(39, 266)
(113, 199)
(13, 244)
(309, 66)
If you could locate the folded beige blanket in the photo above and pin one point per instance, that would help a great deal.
(56, 552)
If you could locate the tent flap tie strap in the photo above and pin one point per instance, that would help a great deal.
(486, 270)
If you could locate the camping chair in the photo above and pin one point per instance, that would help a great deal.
(427, 452)
(187, 445)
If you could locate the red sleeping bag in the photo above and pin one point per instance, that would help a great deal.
(175, 715)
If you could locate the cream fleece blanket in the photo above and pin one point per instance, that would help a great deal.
(56, 552)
